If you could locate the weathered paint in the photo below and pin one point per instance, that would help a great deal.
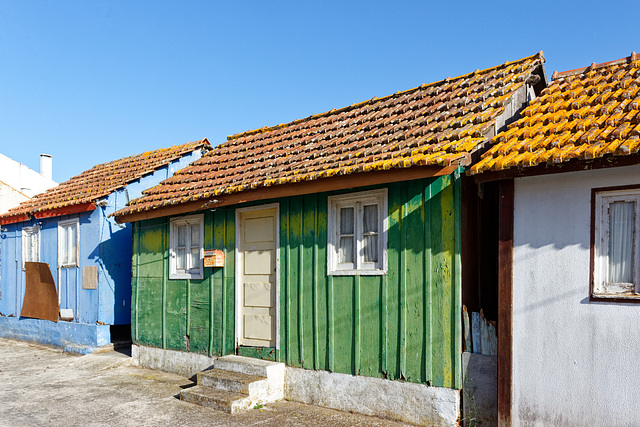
(417, 404)
(574, 360)
(103, 244)
(402, 325)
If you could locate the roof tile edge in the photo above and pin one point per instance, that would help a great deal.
(539, 55)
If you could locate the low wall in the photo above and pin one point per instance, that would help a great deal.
(395, 400)
(72, 337)
(177, 362)
(408, 402)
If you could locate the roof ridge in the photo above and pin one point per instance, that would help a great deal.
(132, 156)
(61, 193)
(594, 66)
(539, 55)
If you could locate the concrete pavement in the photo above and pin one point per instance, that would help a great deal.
(42, 386)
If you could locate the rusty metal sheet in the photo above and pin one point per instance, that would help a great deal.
(40, 296)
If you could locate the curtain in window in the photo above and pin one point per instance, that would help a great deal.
(370, 233)
(69, 245)
(346, 235)
(621, 234)
(64, 245)
(194, 254)
(73, 244)
(181, 255)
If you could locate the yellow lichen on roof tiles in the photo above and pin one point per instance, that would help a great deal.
(588, 113)
(434, 124)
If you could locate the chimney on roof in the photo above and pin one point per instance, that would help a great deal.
(46, 166)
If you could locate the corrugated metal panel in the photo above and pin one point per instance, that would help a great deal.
(404, 325)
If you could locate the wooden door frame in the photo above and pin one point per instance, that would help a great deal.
(505, 302)
(238, 283)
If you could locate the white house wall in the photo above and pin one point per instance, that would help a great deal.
(18, 183)
(575, 362)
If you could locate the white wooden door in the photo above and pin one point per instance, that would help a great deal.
(256, 290)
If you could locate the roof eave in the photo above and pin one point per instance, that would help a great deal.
(334, 183)
(573, 165)
(48, 213)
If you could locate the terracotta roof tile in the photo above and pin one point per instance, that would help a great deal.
(585, 114)
(431, 125)
(103, 179)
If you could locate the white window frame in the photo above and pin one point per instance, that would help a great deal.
(187, 273)
(600, 264)
(62, 226)
(30, 240)
(357, 201)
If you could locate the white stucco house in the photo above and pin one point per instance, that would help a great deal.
(19, 183)
(569, 251)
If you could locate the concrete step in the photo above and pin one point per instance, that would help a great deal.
(219, 400)
(228, 380)
(247, 365)
(236, 383)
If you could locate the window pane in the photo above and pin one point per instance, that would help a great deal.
(370, 219)
(29, 249)
(34, 247)
(345, 253)
(370, 243)
(346, 221)
(621, 233)
(182, 235)
(62, 245)
(194, 257)
(181, 258)
(195, 235)
(73, 244)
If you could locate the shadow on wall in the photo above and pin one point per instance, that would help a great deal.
(113, 256)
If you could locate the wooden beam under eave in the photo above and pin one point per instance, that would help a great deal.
(14, 219)
(573, 165)
(65, 210)
(322, 185)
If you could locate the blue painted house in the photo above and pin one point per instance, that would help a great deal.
(88, 254)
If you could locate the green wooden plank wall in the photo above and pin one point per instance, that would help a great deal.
(179, 314)
(404, 325)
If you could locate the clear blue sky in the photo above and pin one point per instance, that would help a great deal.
(93, 81)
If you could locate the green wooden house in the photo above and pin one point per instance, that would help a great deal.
(331, 243)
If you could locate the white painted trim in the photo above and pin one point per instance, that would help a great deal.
(30, 231)
(269, 206)
(603, 200)
(381, 196)
(61, 225)
(173, 275)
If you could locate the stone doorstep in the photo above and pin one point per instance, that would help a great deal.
(219, 400)
(235, 383)
(227, 380)
(247, 365)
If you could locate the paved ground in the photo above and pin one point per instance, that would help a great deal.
(41, 386)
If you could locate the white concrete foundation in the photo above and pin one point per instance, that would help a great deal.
(177, 362)
(395, 400)
(408, 402)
